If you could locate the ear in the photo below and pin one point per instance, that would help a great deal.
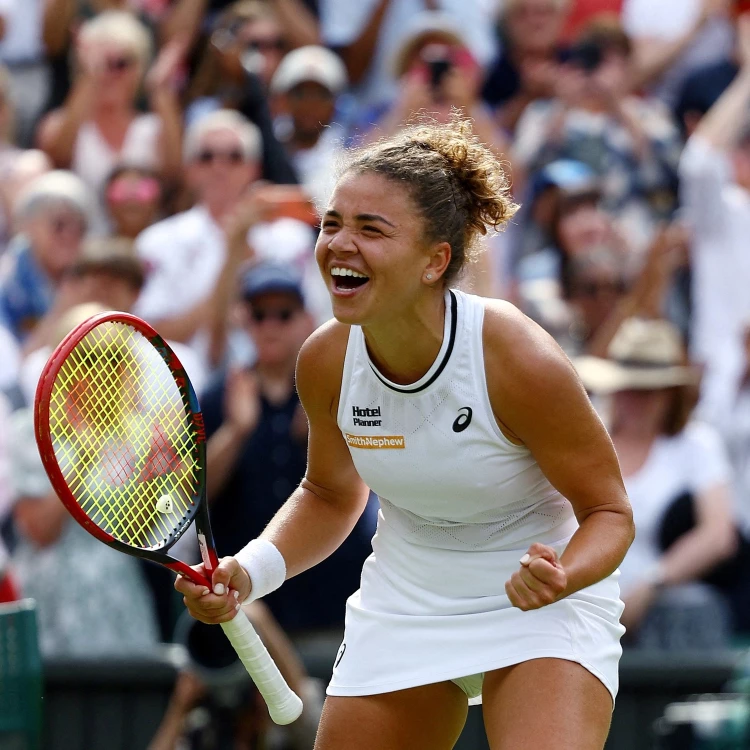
(438, 260)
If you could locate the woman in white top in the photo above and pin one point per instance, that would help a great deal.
(99, 127)
(503, 515)
(667, 462)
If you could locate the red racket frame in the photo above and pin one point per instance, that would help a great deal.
(199, 514)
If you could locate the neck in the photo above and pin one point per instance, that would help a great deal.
(108, 111)
(405, 346)
(218, 209)
(303, 139)
(276, 380)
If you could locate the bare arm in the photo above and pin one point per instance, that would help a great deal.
(711, 540)
(56, 21)
(722, 125)
(58, 131)
(653, 56)
(323, 510)
(538, 397)
(300, 25)
(358, 54)
(183, 21)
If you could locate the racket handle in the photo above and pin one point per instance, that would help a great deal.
(283, 704)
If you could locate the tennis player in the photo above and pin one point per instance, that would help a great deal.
(503, 515)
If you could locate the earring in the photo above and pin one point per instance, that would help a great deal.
(429, 277)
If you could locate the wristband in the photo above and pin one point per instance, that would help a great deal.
(264, 564)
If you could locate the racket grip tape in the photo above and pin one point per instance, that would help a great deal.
(283, 704)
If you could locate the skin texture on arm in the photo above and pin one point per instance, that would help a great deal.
(722, 125)
(358, 54)
(57, 18)
(540, 403)
(323, 510)
(58, 131)
(300, 25)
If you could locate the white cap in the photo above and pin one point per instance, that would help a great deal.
(310, 63)
(58, 186)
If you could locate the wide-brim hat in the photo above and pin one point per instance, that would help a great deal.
(643, 355)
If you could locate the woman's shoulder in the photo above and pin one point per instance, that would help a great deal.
(320, 364)
(516, 342)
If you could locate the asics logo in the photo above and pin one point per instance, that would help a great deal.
(463, 420)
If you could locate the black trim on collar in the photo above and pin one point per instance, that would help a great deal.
(446, 357)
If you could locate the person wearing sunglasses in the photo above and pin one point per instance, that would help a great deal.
(98, 127)
(53, 216)
(133, 198)
(192, 251)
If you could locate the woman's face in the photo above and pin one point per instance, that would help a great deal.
(133, 201)
(260, 45)
(56, 233)
(118, 68)
(534, 26)
(372, 227)
(582, 227)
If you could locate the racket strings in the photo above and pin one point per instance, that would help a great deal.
(123, 438)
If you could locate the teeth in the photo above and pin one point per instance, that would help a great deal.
(336, 271)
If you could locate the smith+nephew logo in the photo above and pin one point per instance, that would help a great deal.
(358, 412)
(375, 442)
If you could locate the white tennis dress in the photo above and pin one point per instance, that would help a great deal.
(460, 504)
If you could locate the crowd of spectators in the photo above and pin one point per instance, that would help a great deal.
(170, 158)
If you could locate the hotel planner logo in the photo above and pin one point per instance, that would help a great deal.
(358, 412)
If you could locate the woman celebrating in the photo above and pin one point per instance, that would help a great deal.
(503, 513)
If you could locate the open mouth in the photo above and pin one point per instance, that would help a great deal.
(347, 280)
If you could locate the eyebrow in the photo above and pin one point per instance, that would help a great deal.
(362, 217)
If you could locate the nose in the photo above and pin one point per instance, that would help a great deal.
(342, 243)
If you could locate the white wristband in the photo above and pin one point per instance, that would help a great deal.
(264, 564)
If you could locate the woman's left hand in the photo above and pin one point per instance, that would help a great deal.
(539, 581)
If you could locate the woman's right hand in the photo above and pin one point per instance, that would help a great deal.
(230, 587)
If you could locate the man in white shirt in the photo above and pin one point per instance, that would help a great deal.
(186, 254)
(715, 184)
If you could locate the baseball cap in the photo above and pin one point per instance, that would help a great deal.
(310, 63)
(268, 276)
(569, 175)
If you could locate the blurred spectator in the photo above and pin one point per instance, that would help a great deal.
(188, 252)
(437, 74)
(527, 66)
(674, 37)
(582, 12)
(241, 56)
(91, 600)
(257, 449)
(108, 276)
(134, 200)
(308, 81)
(368, 33)
(22, 53)
(98, 127)
(665, 457)
(580, 233)
(53, 215)
(13, 160)
(715, 179)
(630, 143)
(297, 18)
(62, 20)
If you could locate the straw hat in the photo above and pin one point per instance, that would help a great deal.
(643, 355)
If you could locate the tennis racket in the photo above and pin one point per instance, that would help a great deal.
(122, 439)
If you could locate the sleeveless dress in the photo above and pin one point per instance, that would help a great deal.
(459, 505)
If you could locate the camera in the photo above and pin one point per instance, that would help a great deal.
(438, 61)
(587, 56)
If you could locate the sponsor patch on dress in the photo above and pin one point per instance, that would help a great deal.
(375, 442)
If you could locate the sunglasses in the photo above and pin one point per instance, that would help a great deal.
(141, 190)
(266, 45)
(61, 224)
(119, 64)
(209, 156)
(284, 315)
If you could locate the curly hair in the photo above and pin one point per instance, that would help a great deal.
(457, 183)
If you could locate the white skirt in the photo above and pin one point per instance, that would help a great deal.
(424, 615)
